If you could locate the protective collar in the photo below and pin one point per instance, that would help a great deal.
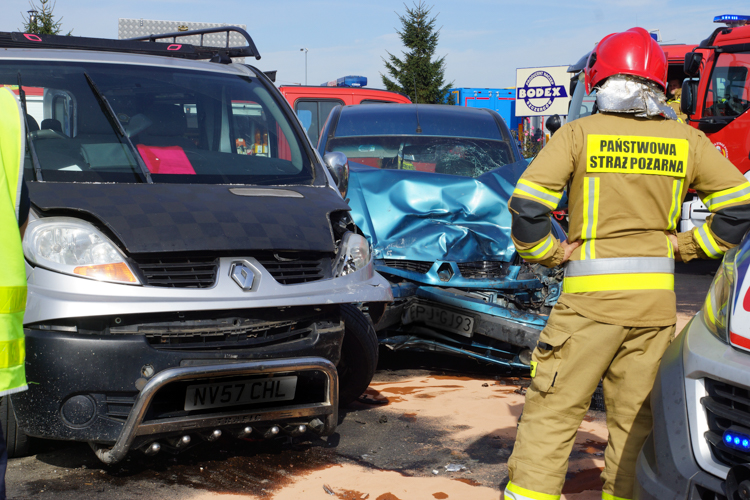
(628, 94)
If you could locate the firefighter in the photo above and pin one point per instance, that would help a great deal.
(13, 213)
(674, 94)
(627, 170)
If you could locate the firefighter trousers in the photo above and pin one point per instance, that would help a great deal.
(573, 354)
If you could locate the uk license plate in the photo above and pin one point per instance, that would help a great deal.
(444, 319)
(216, 395)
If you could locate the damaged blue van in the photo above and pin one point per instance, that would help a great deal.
(429, 187)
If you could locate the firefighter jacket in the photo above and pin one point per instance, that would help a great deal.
(12, 267)
(626, 179)
(674, 103)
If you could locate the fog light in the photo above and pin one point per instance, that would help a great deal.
(78, 410)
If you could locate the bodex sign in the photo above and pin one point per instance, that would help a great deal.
(542, 91)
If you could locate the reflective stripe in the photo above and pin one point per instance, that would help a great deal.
(728, 196)
(590, 216)
(709, 309)
(614, 282)
(538, 251)
(12, 299)
(533, 369)
(708, 243)
(515, 492)
(624, 265)
(12, 353)
(674, 210)
(543, 195)
(607, 496)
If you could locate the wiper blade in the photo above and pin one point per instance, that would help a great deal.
(112, 117)
(29, 141)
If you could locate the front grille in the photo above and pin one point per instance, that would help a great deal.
(290, 272)
(179, 272)
(201, 271)
(224, 333)
(483, 270)
(726, 405)
(414, 266)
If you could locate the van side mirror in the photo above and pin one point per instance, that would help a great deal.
(554, 123)
(338, 166)
(692, 63)
(688, 100)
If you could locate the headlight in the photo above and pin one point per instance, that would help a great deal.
(718, 304)
(353, 255)
(73, 246)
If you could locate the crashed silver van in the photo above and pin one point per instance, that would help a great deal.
(191, 263)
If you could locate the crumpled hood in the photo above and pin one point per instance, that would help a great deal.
(432, 217)
(150, 218)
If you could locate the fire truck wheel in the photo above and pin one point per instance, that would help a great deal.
(17, 442)
(359, 355)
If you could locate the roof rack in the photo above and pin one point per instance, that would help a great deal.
(248, 51)
(136, 45)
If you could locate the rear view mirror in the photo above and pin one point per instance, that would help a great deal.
(338, 166)
(688, 98)
(692, 63)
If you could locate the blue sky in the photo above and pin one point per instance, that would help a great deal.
(484, 41)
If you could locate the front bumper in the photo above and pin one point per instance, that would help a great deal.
(676, 461)
(125, 391)
(53, 296)
(498, 335)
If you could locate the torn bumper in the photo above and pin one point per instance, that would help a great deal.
(436, 319)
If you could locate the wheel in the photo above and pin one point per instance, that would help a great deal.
(359, 354)
(597, 400)
(18, 443)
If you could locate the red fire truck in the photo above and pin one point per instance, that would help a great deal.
(312, 104)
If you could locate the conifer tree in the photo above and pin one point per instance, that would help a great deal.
(43, 23)
(417, 74)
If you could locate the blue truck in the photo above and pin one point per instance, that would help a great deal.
(501, 100)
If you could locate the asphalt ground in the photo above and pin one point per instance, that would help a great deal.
(382, 434)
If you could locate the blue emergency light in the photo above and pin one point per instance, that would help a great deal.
(737, 438)
(732, 20)
(347, 81)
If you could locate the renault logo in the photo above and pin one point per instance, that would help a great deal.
(242, 275)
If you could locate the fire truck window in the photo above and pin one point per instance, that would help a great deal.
(729, 93)
(313, 115)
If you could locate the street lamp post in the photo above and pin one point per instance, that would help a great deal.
(32, 16)
(305, 50)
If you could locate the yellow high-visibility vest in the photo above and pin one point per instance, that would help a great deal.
(12, 268)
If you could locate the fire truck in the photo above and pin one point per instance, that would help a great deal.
(715, 96)
(716, 99)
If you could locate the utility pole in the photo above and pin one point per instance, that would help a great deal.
(305, 50)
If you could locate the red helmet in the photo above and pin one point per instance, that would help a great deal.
(631, 52)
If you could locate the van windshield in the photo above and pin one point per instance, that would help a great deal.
(183, 126)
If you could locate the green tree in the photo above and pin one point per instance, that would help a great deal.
(417, 74)
(43, 22)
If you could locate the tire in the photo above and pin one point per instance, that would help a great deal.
(597, 400)
(18, 443)
(359, 355)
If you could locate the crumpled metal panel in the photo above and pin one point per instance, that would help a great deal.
(431, 217)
